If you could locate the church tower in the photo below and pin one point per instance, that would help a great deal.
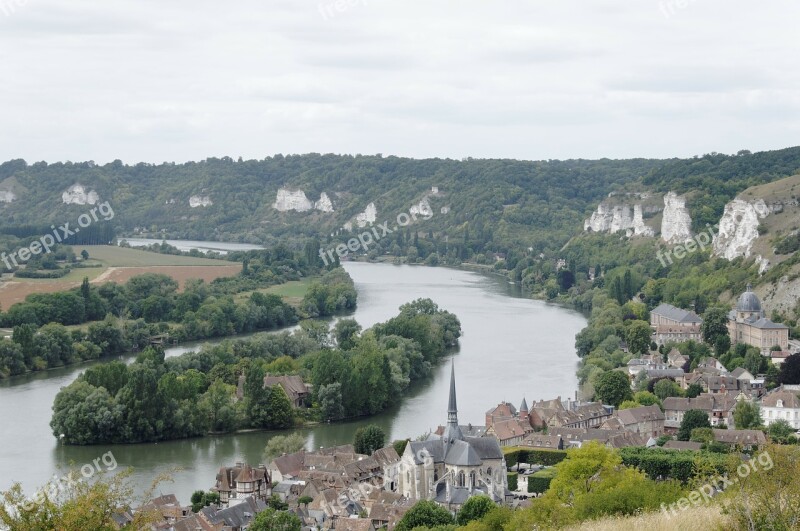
(452, 431)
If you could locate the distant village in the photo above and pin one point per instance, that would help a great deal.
(338, 489)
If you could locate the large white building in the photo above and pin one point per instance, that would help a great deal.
(748, 323)
(450, 468)
(781, 404)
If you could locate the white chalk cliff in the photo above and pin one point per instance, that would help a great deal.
(287, 200)
(676, 224)
(369, 216)
(738, 229)
(7, 196)
(423, 209)
(324, 204)
(200, 201)
(617, 218)
(78, 195)
(296, 200)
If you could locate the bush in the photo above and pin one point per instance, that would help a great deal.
(540, 481)
(516, 455)
(512, 480)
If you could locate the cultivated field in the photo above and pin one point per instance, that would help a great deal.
(118, 264)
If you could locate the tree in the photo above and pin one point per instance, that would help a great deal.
(85, 505)
(715, 325)
(790, 371)
(722, 345)
(747, 415)
(424, 514)
(692, 419)
(283, 444)
(274, 520)
(474, 509)
(666, 388)
(780, 431)
(85, 254)
(330, 401)
(638, 337)
(369, 439)
(646, 398)
(613, 387)
(694, 390)
(346, 333)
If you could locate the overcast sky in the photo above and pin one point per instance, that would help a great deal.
(176, 80)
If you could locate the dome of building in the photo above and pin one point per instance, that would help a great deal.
(749, 301)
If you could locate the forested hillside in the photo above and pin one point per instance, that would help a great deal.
(496, 204)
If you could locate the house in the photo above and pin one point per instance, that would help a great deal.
(675, 408)
(242, 481)
(354, 524)
(287, 466)
(554, 414)
(168, 507)
(503, 411)
(647, 421)
(779, 356)
(677, 360)
(509, 432)
(671, 324)
(389, 461)
(234, 518)
(718, 407)
(781, 404)
(682, 445)
(744, 439)
(575, 437)
(294, 387)
(539, 440)
(748, 324)
(742, 375)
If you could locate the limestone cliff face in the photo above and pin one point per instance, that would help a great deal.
(77, 194)
(7, 196)
(324, 204)
(676, 224)
(287, 200)
(296, 200)
(197, 201)
(738, 229)
(367, 217)
(423, 208)
(613, 219)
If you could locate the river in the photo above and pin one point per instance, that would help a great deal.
(511, 347)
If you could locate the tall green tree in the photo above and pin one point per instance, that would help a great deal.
(692, 419)
(715, 325)
(747, 415)
(368, 439)
(613, 387)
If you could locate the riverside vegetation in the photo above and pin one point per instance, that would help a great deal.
(353, 374)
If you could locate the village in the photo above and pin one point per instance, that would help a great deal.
(337, 488)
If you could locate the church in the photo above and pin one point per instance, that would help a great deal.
(748, 324)
(452, 467)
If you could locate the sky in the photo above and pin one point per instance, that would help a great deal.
(178, 80)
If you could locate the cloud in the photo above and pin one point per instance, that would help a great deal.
(186, 79)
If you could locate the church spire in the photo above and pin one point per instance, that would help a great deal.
(452, 408)
(452, 431)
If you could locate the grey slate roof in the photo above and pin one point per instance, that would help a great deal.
(676, 314)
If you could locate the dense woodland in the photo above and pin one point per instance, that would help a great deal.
(221, 387)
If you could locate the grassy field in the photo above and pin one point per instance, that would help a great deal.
(118, 264)
(111, 256)
(292, 292)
